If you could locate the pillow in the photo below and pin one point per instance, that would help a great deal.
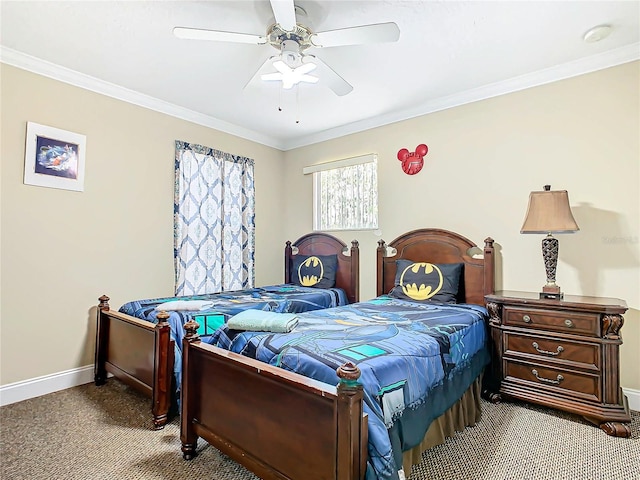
(314, 270)
(422, 281)
(179, 305)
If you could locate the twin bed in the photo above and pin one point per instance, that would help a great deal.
(355, 391)
(140, 343)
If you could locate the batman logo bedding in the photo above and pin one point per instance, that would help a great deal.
(406, 351)
(212, 310)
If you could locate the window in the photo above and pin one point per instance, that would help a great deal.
(345, 194)
(214, 224)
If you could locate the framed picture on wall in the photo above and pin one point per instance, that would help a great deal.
(54, 158)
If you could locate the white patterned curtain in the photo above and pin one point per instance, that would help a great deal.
(214, 220)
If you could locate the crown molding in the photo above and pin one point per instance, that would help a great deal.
(585, 65)
(72, 77)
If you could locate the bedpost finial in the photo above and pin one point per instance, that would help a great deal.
(191, 327)
(348, 373)
(488, 242)
(162, 317)
(381, 243)
(104, 303)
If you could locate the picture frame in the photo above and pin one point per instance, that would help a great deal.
(54, 158)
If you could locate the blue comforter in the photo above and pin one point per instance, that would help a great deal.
(403, 349)
(285, 298)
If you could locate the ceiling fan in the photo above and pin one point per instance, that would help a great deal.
(294, 65)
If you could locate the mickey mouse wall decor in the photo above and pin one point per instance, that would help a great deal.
(412, 162)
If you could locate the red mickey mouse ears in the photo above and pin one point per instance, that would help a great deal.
(412, 162)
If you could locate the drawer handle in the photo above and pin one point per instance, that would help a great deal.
(546, 352)
(526, 319)
(559, 378)
(568, 323)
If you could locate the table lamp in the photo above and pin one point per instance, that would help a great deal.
(549, 212)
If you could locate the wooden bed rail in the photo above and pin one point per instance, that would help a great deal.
(269, 419)
(139, 353)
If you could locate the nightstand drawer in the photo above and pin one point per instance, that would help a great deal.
(566, 322)
(559, 350)
(554, 380)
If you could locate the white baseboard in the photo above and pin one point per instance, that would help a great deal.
(35, 387)
(633, 396)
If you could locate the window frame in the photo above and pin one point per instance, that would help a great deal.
(317, 170)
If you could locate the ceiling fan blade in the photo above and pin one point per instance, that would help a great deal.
(285, 14)
(218, 36)
(364, 34)
(328, 76)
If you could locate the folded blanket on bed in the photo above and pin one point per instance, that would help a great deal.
(185, 305)
(263, 321)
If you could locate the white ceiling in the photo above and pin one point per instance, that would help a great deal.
(449, 53)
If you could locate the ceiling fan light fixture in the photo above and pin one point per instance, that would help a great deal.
(290, 53)
(291, 77)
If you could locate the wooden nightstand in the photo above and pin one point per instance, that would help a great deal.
(560, 353)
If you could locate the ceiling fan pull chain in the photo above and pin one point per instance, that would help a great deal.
(297, 103)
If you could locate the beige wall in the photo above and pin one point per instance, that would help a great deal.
(63, 249)
(580, 134)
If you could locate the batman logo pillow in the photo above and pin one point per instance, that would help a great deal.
(423, 281)
(314, 270)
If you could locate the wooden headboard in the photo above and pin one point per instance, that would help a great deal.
(439, 246)
(348, 272)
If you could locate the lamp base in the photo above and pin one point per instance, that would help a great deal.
(552, 296)
(551, 292)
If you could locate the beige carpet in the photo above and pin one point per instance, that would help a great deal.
(94, 433)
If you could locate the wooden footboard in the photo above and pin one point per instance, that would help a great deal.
(137, 352)
(278, 424)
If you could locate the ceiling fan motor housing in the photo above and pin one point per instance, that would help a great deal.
(300, 35)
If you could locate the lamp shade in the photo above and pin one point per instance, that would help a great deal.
(549, 212)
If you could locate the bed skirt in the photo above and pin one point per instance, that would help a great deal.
(465, 412)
